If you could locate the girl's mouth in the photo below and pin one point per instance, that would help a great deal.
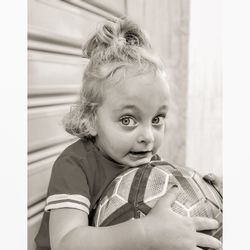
(139, 154)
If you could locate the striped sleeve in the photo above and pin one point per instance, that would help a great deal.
(68, 187)
(67, 201)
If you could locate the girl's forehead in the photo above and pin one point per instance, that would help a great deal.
(149, 89)
(130, 83)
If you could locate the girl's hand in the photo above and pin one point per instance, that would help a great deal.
(212, 178)
(165, 229)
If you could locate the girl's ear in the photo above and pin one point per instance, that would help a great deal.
(92, 127)
(93, 131)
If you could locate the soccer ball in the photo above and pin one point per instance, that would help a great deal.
(134, 193)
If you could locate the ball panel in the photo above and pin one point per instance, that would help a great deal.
(208, 190)
(183, 172)
(185, 199)
(217, 233)
(188, 189)
(156, 185)
(122, 214)
(122, 189)
(108, 207)
(201, 208)
(217, 198)
(112, 187)
(179, 208)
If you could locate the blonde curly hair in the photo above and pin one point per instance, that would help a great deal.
(118, 48)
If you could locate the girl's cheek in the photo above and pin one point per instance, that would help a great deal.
(159, 138)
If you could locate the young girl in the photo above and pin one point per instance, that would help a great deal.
(120, 120)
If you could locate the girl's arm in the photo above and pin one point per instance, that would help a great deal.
(160, 229)
(69, 230)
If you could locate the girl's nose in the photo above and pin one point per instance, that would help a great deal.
(146, 135)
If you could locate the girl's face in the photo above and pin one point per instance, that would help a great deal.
(131, 120)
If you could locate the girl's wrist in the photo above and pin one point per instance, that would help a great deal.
(143, 232)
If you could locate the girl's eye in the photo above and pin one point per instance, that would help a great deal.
(158, 120)
(128, 121)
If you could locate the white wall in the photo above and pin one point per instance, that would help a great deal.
(204, 94)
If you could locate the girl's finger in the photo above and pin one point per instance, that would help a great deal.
(210, 178)
(204, 240)
(203, 223)
(170, 196)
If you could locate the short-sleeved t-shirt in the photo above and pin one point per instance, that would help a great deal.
(79, 177)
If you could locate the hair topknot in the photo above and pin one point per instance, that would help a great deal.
(113, 37)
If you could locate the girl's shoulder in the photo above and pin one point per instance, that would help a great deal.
(76, 154)
(78, 149)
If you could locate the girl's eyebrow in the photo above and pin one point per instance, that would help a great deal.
(163, 108)
(126, 107)
(136, 109)
(129, 106)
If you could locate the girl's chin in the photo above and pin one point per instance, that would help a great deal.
(138, 162)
